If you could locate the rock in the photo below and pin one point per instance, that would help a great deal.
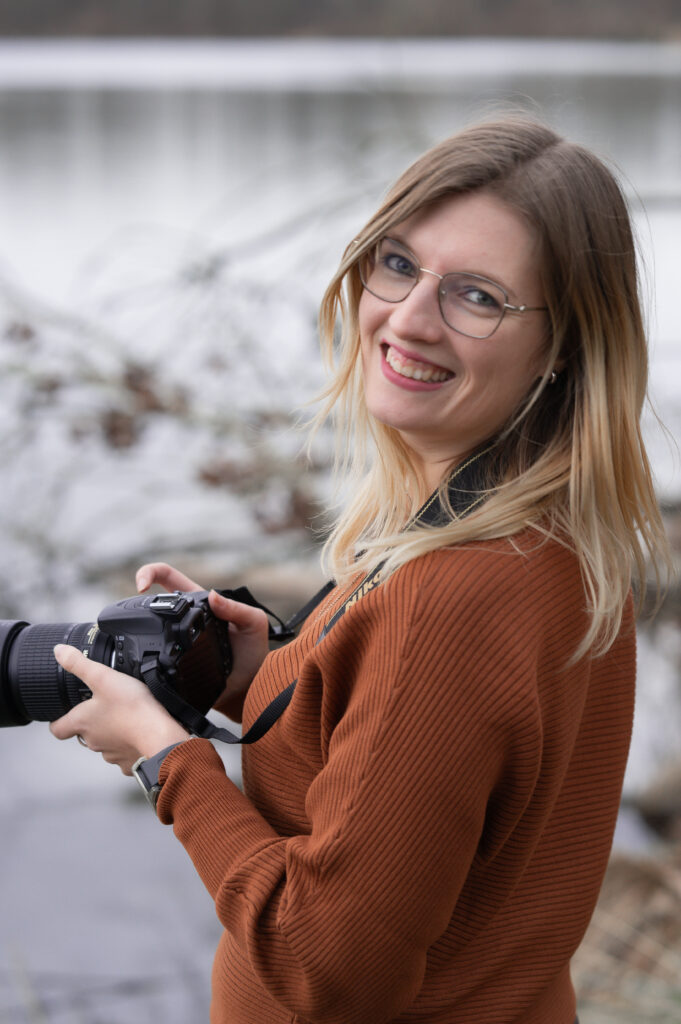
(659, 804)
(630, 959)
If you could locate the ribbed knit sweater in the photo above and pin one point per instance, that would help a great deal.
(423, 834)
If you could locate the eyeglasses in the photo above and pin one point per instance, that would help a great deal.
(469, 304)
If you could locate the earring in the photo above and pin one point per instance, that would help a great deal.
(554, 376)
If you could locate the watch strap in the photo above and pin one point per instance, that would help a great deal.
(146, 771)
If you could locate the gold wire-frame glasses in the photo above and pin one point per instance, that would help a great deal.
(469, 303)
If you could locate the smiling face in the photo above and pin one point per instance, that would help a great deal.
(444, 392)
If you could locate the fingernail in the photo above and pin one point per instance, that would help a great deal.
(142, 583)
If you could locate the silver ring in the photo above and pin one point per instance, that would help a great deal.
(82, 741)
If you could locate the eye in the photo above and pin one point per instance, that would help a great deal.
(479, 297)
(396, 261)
(473, 294)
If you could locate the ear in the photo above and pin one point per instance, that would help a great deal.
(558, 368)
(555, 363)
(552, 373)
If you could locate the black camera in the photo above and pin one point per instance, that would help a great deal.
(172, 642)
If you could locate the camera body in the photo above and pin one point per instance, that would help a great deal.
(164, 628)
(172, 642)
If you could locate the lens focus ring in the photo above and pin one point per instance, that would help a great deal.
(43, 689)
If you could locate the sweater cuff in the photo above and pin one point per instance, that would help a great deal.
(201, 756)
(218, 826)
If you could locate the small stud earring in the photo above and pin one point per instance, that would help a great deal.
(554, 376)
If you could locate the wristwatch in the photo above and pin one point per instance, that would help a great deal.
(146, 769)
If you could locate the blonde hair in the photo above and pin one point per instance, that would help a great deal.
(572, 460)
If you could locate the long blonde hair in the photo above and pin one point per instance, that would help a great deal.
(573, 462)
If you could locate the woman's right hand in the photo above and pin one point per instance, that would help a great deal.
(248, 631)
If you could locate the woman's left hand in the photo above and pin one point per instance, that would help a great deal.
(122, 720)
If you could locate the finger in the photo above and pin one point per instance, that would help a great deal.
(71, 660)
(65, 728)
(68, 725)
(165, 575)
(96, 676)
(243, 616)
(75, 662)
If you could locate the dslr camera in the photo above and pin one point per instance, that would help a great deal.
(172, 642)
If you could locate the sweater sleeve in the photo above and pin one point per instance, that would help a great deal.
(430, 760)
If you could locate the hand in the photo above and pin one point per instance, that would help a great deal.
(165, 575)
(122, 720)
(248, 632)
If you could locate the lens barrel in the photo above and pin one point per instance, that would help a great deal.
(33, 687)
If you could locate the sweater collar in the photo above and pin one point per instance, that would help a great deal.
(467, 486)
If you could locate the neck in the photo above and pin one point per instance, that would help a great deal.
(468, 482)
(431, 472)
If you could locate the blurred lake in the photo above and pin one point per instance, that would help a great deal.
(169, 215)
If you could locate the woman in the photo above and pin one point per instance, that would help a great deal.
(423, 833)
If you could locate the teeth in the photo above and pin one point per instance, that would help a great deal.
(415, 371)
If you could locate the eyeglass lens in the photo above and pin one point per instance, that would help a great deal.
(469, 304)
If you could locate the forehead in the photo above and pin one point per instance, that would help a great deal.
(476, 232)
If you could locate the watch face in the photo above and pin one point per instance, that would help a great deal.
(145, 784)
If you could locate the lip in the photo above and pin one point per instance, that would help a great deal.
(408, 383)
(411, 355)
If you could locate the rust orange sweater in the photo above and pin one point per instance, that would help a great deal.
(423, 834)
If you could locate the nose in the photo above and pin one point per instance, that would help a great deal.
(418, 317)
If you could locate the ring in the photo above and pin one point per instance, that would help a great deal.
(82, 741)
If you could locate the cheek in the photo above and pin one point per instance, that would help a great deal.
(507, 377)
(522, 360)
(369, 321)
(364, 352)
(370, 315)
(517, 381)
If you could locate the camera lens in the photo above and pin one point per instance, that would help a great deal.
(33, 687)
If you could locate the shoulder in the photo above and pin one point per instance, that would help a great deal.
(509, 599)
(525, 573)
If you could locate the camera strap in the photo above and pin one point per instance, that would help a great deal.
(466, 488)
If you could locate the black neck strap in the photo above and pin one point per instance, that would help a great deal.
(466, 488)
